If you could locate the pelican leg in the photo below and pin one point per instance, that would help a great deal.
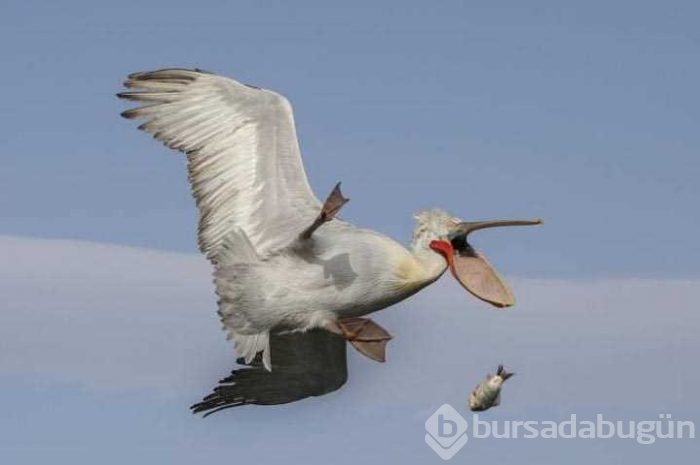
(365, 335)
(331, 207)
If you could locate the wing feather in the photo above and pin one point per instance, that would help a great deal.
(243, 157)
(313, 363)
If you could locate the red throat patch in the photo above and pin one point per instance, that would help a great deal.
(445, 248)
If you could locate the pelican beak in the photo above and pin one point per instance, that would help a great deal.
(471, 268)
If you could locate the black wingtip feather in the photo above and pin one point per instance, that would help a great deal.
(130, 114)
(166, 74)
(303, 365)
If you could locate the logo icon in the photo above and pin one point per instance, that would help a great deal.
(446, 432)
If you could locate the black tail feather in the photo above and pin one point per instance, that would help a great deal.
(303, 365)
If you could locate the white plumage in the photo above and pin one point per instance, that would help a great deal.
(254, 201)
(242, 153)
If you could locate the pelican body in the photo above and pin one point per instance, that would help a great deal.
(342, 271)
(294, 282)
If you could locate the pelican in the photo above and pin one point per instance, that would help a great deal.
(294, 282)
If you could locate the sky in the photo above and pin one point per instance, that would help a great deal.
(582, 113)
(103, 348)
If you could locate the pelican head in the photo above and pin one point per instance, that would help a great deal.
(447, 236)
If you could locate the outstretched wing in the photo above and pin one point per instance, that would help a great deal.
(306, 364)
(242, 152)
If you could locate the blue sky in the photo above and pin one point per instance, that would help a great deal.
(582, 113)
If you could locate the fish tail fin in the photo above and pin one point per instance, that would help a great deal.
(503, 373)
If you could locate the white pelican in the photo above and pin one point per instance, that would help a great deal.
(294, 283)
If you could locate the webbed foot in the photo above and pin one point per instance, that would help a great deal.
(330, 209)
(366, 336)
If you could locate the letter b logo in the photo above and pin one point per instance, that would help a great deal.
(446, 428)
(446, 432)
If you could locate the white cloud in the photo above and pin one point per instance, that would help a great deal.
(109, 316)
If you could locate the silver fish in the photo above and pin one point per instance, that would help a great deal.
(487, 394)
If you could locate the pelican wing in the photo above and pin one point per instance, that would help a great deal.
(242, 152)
(306, 364)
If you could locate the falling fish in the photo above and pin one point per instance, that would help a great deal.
(487, 394)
